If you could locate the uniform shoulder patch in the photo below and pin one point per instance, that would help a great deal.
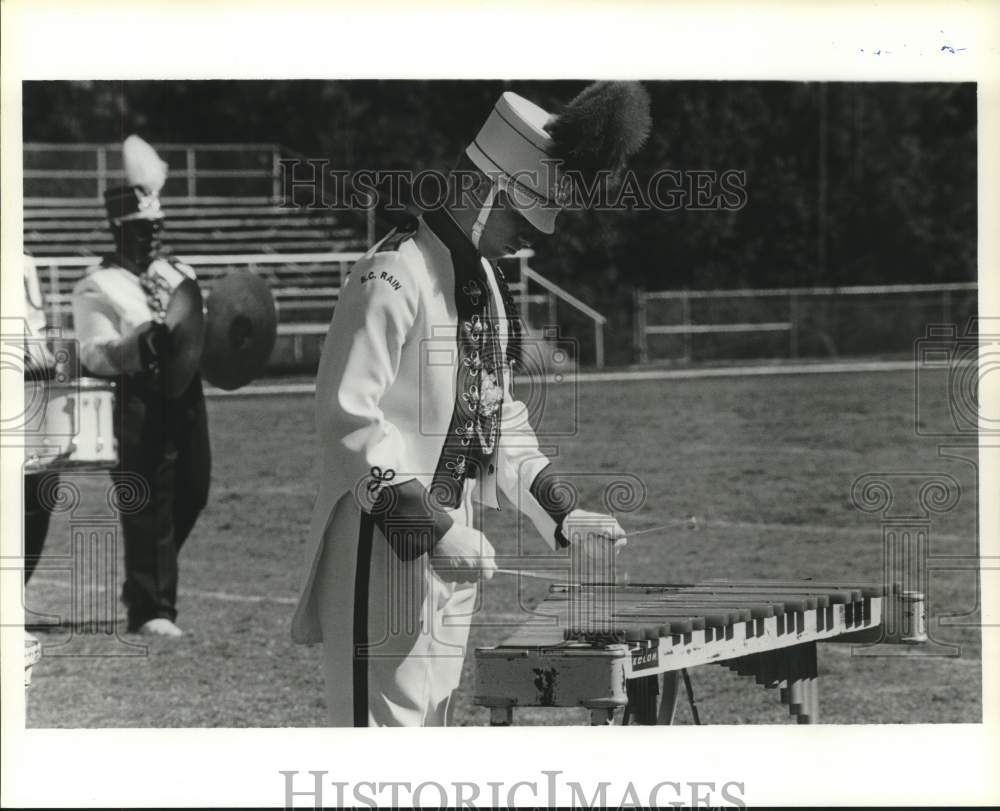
(382, 268)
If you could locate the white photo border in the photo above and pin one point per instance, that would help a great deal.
(868, 764)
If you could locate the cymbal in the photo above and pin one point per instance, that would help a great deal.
(241, 326)
(185, 317)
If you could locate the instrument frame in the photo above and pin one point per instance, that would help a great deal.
(537, 666)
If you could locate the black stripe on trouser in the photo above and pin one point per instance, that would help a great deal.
(362, 572)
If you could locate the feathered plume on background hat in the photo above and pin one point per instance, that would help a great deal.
(142, 166)
(145, 175)
(601, 128)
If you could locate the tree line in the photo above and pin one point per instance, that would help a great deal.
(844, 182)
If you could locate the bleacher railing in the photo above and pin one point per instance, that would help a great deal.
(707, 325)
(69, 173)
(553, 294)
(57, 274)
(306, 287)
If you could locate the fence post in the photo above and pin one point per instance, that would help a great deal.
(192, 186)
(54, 284)
(102, 171)
(553, 317)
(640, 326)
(599, 344)
(686, 320)
(275, 173)
(793, 317)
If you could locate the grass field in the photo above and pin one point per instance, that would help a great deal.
(764, 464)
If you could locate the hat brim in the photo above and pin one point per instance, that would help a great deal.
(141, 215)
(541, 216)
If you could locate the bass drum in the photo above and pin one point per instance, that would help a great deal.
(76, 430)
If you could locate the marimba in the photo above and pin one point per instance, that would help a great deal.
(604, 647)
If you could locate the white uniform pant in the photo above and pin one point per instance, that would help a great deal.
(394, 633)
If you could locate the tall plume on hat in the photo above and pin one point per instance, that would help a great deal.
(145, 175)
(143, 168)
(601, 128)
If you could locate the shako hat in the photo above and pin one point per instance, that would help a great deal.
(145, 174)
(535, 156)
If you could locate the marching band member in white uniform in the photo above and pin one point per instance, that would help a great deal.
(417, 421)
(118, 310)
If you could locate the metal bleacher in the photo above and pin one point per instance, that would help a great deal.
(302, 253)
(223, 212)
(212, 225)
(304, 256)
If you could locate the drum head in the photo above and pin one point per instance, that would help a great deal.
(240, 330)
(186, 320)
(76, 430)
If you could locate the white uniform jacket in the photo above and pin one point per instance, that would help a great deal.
(111, 307)
(385, 393)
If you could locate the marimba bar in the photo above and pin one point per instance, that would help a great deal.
(605, 647)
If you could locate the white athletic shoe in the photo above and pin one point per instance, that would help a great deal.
(160, 626)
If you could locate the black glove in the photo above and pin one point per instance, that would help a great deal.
(556, 497)
(154, 345)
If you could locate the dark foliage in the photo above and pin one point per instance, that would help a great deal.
(846, 183)
(601, 128)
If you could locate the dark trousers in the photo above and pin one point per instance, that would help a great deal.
(36, 517)
(165, 442)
